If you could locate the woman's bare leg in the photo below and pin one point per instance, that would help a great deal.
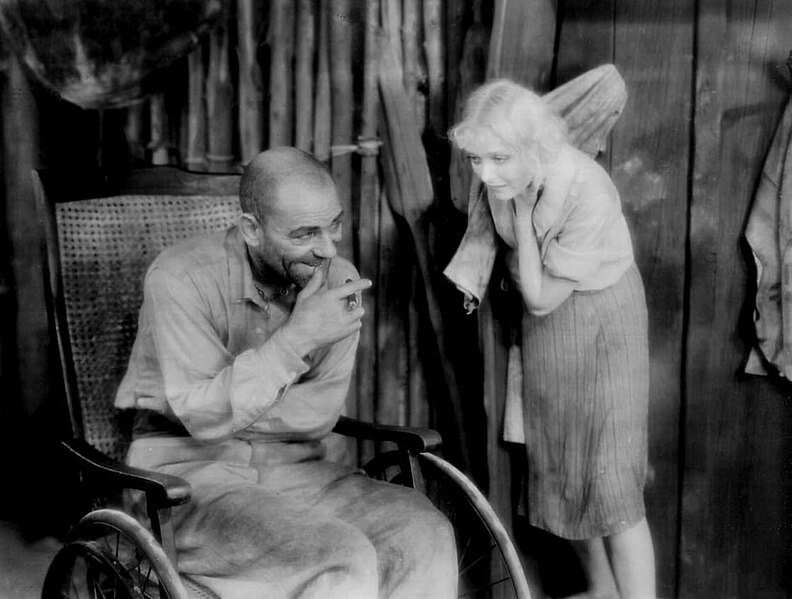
(597, 568)
(632, 559)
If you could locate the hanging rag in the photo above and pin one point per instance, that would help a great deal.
(769, 233)
(99, 54)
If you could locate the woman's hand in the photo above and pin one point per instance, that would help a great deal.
(523, 205)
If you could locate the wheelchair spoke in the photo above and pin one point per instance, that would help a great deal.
(465, 568)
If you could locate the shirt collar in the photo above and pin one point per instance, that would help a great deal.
(240, 276)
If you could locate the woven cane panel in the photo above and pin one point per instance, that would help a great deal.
(106, 245)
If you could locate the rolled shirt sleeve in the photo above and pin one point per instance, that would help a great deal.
(592, 245)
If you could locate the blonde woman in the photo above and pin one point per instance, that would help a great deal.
(584, 333)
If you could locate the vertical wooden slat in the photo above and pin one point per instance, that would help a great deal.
(369, 402)
(249, 82)
(281, 38)
(158, 138)
(195, 155)
(133, 131)
(418, 407)
(470, 74)
(454, 32)
(20, 134)
(343, 108)
(413, 68)
(434, 48)
(322, 118)
(521, 45)
(219, 98)
(304, 76)
(392, 341)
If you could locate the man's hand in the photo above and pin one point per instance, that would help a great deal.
(323, 316)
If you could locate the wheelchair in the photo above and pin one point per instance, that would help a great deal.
(100, 234)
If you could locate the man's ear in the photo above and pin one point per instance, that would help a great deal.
(249, 226)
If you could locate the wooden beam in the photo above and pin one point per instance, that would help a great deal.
(250, 84)
(281, 40)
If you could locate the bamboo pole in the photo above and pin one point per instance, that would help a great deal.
(251, 87)
(435, 64)
(133, 131)
(471, 72)
(455, 11)
(417, 409)
(322, 126)
(368, 216)
(304, 77)
(413, 71)
(393, 347)
(158, 141)
(281, 36)
(195, 155)
(219, 96)
(342, 110)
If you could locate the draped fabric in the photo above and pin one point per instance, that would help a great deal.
(769, 234)
(100, 54)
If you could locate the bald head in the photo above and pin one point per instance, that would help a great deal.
(267, 172)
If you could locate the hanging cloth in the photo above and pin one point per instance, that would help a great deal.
(769, 233)
(99, 54)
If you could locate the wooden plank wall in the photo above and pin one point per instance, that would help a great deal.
(706, 92)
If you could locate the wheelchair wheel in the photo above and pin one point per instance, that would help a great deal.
(112, 556)
(489, 567)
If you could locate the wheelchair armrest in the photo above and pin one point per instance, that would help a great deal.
(410, 439)
(162, 490)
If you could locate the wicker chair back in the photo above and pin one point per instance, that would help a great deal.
(104, 248)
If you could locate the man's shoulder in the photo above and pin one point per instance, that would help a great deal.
(194, 254)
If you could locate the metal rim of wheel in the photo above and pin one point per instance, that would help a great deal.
(498, 557)
(493, 549)
(112, 556)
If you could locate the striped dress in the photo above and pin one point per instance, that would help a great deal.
(585, 375)
(585, 381)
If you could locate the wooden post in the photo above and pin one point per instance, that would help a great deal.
(523, 54)
(393, 344)
(133, 131)
(195, 155)
(368, 225)
(304, 77)
(219, 98)
(158, 140)
(322, 119)
(412, 63)
(435, 64)
(455, 11)
(471, 73)
(281, 37)
(343, 107)
(251, 89)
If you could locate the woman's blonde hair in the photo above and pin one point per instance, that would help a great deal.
(516, 115)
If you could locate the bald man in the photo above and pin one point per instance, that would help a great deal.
(240, 369)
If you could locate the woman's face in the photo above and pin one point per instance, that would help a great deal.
(504, 169)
